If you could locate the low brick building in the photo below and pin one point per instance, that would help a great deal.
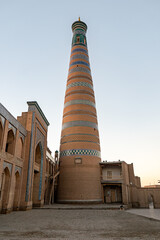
(120, 185)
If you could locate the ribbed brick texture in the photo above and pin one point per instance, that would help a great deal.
(79, 179)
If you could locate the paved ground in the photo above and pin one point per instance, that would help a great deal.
(75, 224)
(149, 213)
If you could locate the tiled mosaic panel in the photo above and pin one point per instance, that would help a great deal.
(19, 169)
(79, 32)
(9, 165)
(79, 101)
(83, 84)
(72, 152)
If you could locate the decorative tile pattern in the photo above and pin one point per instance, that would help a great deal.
(3, 120)
(79, 69)
(79, 50)
(79, 123)
(79, 56)
(75, 84)
(9, 165)
(72, 152)
(10, 126)
(30, 159)
(18, 169)
(41, 173)
(79, 62)
(79, 101)
(79, 32)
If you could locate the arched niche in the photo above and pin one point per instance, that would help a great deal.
(16, 191)
(5, 188)
(37, 174)
(10, 142)
(20, 148)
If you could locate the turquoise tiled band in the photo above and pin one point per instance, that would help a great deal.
(79, 101)
(79, 69)
(79, 50)
(83, 84)
(79, 62)
(79, 123)
(72, 152)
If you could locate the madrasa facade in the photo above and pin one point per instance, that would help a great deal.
(31, 177)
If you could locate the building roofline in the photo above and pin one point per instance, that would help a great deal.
(34, 103)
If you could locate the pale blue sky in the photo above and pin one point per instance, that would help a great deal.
(124, 49)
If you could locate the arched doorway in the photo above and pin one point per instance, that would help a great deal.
(10, 142)
(16, 191)
(5, 188)
(151, 201)
(20, 148)
(37, 171)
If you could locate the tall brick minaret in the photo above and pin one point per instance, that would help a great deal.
(79, 179)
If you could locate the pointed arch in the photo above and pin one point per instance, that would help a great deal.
(10, 144)
(5, 187)
(38, 169)
(16, 190)
(151, 201)
(20, 147)
(38, 153)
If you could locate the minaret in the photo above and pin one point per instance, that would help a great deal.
(79, 179)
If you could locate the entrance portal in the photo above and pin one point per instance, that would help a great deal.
(113, 194)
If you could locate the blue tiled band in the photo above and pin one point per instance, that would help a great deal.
(79, 123)
(79, 101)
(75, 84)
(79, 62)
(72, 152)
(79, 56)
(79, 50)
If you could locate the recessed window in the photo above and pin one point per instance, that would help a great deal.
(109, 174)
(78, 39)
(78, 160)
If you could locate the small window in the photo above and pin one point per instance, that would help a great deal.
(78, 39)
(78, 160)
(109, 174)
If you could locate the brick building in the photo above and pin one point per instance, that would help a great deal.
(120, 185)
(23, 145)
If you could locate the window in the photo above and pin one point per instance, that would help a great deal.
(109, 174)
(78, 160)
(78, 39)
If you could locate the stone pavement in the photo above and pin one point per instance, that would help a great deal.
(148, 213)
(77, 224)
(83, 206)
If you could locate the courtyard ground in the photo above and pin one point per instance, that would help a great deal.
(77, 223)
